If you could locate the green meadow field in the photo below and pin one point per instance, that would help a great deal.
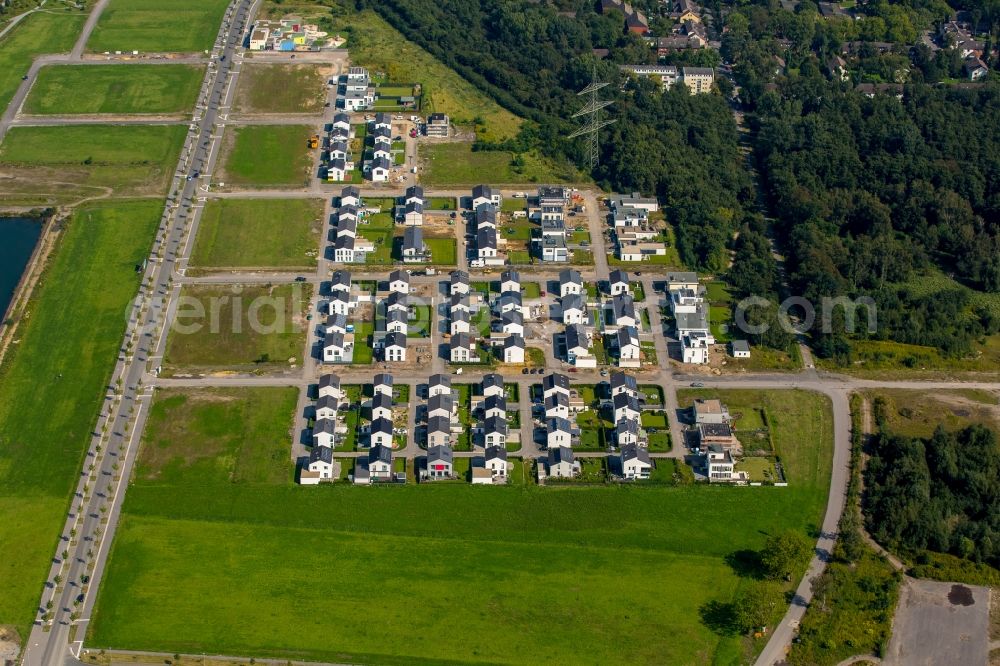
(155, 26)
(380, 575)
(118, 89)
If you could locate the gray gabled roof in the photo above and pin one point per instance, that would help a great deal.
(558, 424)
(627, 425)
(495, 402)
(383, 378)
(321, 453)
(381, 400)
(396, 298)
(495, 452)
(329, 380)
(634, 452)
(618, 276)
(380, 453)
(415, 191)
(561, 454)
(740, 345)
(381, 163)
(512, 317)
(627, 335)
(495, 425)
(513, 340)
(414, 207)
(351, 191)
(492, 379)
(443, 401)
(486, 214)
(556, 400)
(395, 339)
(486, 238)
(510, 297)
(327, 401)
(400, 274)
(341, 277)
(413, 239)
(459, 277)
(440, 380)
(555, 380)
(439, 424)
(460, 315)
(576, 337)
(461, 300)
(572, 302)
(625, 400)
(623, 379)
(622, 306)
(510, 275)
(570, 276)
(461, 340)
(392, 316)
(344, 243)
(482, 191)
(325, 426)
(440, 453)
(382, 425)
(333, 339)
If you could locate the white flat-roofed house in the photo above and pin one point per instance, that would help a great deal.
(694, 348)
(719, 464)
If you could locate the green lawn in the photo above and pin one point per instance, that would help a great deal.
(531, 290)
(457, 164)
(268, 233)
(181, 538)
(118, 89)
(443, 250)
(91, 160)
(441, 203)
(39, 33)
(153, 26)
(363, 331)
(238, 327)
(918, 413)
(68, 345)
(195, 433)
(281, 88)
(265, 156)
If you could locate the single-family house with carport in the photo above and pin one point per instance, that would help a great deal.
(380, 463)
(495, 460)
(320, 466)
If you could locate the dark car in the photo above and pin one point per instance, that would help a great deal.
(300, 279)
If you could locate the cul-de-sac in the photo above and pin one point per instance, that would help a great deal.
(499, 332)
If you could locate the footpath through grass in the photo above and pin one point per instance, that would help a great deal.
(52, 385)
(264, 233)
(157, 26)
(39, 33)
(117, 89)
(505, 564)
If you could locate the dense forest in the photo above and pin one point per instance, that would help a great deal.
(532, 59)
(940, 494)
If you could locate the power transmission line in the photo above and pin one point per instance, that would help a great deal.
(592, 112)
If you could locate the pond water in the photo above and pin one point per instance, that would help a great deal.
(18, 236)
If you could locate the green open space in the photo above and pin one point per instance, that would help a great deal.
(265, 156)
(238, 327)
(55, 164)
(37, 34)
(914, 413)
(178, 554)
(887, 359)
(443, 250)
(266, 233)
(282, 88)
(363, 342)
(68, 340)
(441, 203)
(194, 433)
(119, 89)
(153, 26)
(458, 164)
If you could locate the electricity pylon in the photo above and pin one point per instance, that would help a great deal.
(592, 111)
